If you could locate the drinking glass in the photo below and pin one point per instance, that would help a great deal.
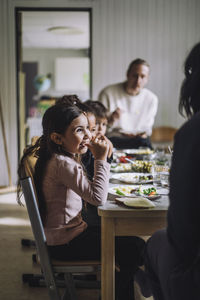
(156, 175)
(164, 179)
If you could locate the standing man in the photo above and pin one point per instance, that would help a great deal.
(132, 108)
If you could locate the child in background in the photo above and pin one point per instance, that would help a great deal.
(89, 212)
(87, 159)
(101, 122)
(101, 119)
(101, 115)
(97, 110)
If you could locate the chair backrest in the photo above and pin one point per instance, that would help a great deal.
(30, 160)
(52, 267)
(39, 235)
(163, 134)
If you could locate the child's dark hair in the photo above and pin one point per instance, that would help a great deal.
(74, 100)
(56, 119)
(68, 100)
(98, 108)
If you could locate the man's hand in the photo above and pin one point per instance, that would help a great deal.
(116, 114)
(131, 135)
(127, 134)
(142, 135)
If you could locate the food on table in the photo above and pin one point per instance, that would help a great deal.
(117, 168)
(142, 166)
(141, 178)
(122, 159)
(133, 190)
(119, 192)
(138, 166)
(159, 168)
(151, 191)
(139, 151)
(160, 162)
(121, 155)
(124, 190)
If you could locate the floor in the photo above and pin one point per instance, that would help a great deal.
(16, 260)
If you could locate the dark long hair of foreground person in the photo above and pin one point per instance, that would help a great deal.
(189, 102)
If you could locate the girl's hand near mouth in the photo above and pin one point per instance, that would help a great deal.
(99, 147)
(110, 151)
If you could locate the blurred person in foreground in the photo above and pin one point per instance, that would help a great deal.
(173, 254)
(132, 108)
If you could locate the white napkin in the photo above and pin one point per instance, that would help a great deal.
(137, 202)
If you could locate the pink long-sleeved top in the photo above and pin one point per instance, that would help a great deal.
(65, 185)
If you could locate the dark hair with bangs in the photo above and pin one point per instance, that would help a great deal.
(68, 100)
(57, 119)
(98, 108)
(74, 100)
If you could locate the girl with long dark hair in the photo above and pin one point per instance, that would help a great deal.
(61, 184)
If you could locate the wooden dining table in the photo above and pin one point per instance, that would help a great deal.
(118, 220)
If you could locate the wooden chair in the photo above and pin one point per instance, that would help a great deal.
(50, 268)
(163, 136)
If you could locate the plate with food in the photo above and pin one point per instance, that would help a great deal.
(142, 166)
(121, 167)
(136, 202)
(134, 178)
(123, 190)
(149, 192)
(136, 166)
(144, 151)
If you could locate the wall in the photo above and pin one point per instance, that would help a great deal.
(161, 31)
(8, 90)
(46, 64)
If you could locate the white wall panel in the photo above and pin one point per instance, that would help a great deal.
(160, 31)
(8, 91)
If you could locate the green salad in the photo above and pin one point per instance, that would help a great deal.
(148, 192)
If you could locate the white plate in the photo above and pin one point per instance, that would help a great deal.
(132, 178)
(139, 151)
(137, 166)
(125, 189)
(152, 197)
(121, 167)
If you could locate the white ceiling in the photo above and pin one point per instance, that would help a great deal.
(35, 25)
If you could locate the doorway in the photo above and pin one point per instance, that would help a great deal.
(53, 59)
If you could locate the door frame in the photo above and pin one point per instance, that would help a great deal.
(18, 49)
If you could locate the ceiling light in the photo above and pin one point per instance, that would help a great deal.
(65, 30)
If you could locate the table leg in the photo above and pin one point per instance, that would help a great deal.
(107, 259)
